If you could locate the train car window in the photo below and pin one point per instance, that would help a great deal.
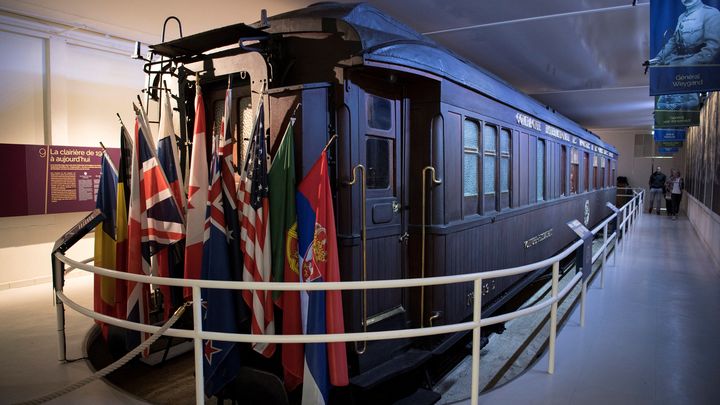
(563, 170)
(377, 157)
(586, 169)
(540, 172)
(613, 179)
(490, 134)
(244, 124)
(602, 172)
(595, 172)
(379, 112)
(504, 161)
(471, 149)
(574, 166)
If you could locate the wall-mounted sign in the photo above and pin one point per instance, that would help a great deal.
(684, 51)
(49, 179)
(660, 134)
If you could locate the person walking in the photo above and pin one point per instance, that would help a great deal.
(676, 184)
(657, 189)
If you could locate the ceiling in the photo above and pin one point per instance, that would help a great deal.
(583, 58)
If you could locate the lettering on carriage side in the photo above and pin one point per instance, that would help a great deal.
(538, 238)
(557, 133)
(528, 122)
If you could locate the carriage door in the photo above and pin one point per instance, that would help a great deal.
(380, 146)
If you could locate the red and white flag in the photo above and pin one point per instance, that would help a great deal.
(253, 193)
(197, 196)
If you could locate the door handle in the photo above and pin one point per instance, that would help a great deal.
(404, 238)
(396, 207)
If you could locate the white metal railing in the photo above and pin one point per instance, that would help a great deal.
(629, 211)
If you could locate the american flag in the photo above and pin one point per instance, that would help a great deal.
(154, 222)
(255, 236)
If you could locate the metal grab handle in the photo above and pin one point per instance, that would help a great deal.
(434, 180)
(364, 254)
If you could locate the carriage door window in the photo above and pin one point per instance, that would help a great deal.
(489, 172)
(563, 170)
(504, 168)
(586, 170)
(574, 172)
(379, 113)
(377, 156)
(595, 172)
(602, 172)
(540, 172)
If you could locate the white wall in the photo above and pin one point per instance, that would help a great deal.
(59, 86)
(22, 73)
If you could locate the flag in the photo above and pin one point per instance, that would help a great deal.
(197, 196)
(283, 234)
(104, 287)
(230, 203)
(255, 236)
(169, 260)
(221, 362)
(321, 310)
(155, 221)
(121, 228)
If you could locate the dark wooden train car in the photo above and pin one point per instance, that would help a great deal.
(512, 171)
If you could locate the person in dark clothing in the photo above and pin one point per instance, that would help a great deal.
(657, 189)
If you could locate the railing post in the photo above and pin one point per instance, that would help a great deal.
(475, 386)
(58, 269)
(604, 256)
(198, 344)
(553, 316)
(583, 294)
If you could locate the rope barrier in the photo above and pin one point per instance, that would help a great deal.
(114, 366)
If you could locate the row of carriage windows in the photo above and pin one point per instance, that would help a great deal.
(480, 149)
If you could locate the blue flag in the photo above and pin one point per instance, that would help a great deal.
(221, 359)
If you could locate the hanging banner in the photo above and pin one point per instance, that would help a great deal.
(49, 179)
(684, 46)
(669, 144)
(660, 134)
(677, 110)
(667, 151)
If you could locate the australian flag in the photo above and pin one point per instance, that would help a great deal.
(221, 359)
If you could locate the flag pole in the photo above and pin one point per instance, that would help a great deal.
(332, 138)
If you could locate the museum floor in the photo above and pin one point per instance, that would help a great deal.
(651, 335)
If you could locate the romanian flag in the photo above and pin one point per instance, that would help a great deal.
(285, 254)
(325, 363)
(104, 287)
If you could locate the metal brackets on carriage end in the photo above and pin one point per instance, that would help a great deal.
(583, 254)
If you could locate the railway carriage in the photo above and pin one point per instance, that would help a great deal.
(455, 171)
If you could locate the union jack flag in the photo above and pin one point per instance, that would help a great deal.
(255, 236)
(154, 221)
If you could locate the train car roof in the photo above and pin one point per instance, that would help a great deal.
(384, 39)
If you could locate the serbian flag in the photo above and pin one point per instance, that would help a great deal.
(121, 228)
(285, 254)
(170, 260)
(155, 222)
(255, 236)
(197, 196)
(104, 287)
(222, 361)
(325, 364)
(226, 145)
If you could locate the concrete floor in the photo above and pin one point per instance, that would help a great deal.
(652, 335)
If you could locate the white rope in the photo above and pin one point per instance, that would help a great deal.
(114, 366)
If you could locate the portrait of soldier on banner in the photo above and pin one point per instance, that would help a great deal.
(678, 102)
(695, 39)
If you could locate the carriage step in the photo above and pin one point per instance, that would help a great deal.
(420, 397)
(408, 361)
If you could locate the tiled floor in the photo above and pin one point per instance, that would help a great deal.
(652, 335)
